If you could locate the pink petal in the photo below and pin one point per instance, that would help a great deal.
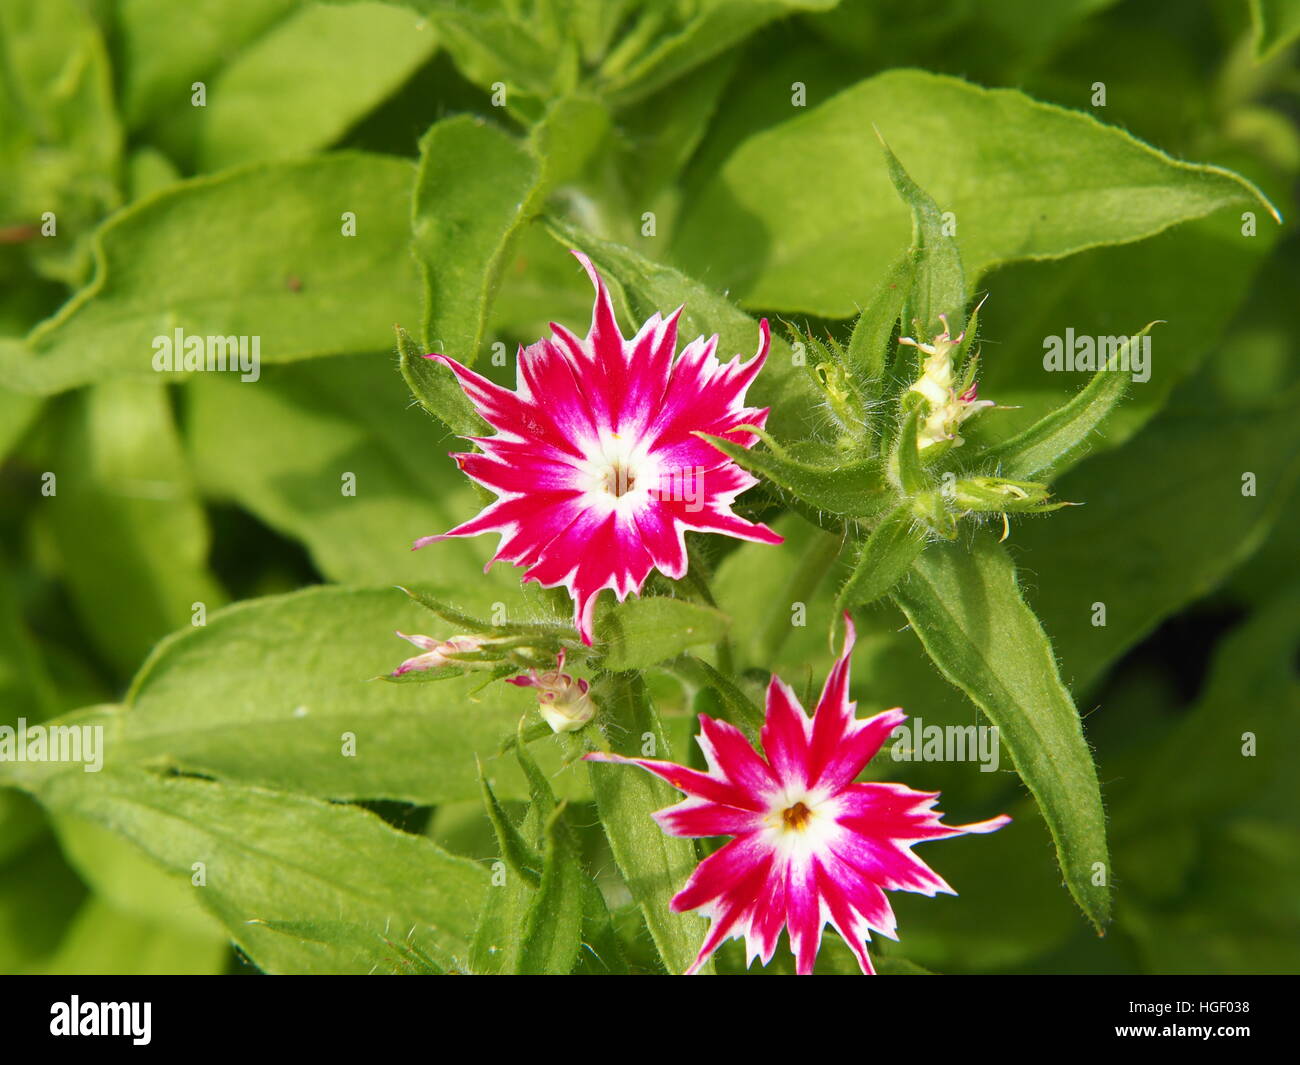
(691, 781)
(730, 755)
(785, 735)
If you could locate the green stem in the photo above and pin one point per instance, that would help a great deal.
(654, 865)
(812, 569)
(699, 583)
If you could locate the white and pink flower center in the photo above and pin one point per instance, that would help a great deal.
(618, 474)
(801, 823)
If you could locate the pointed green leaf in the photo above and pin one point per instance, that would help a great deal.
(646, 630)
(517, 852)
(552, 932)
(654, 865)
(966, 609)
(885, 558)
(436, 389)
(1061, 439)
(473, 191)
(938, 281)
(251, 843)
(296, 280)
(974, 150)
(867, 353)
(1276, 25)
(854, 488)
(463, 620)
(912, 477)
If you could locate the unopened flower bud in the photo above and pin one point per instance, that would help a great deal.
(562, 701)
(437, 653)
(948, 407)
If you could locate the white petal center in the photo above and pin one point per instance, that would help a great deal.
(619, 473)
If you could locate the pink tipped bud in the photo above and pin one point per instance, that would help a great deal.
(437, 653)
(562, 701)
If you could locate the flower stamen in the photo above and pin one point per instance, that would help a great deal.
(619, 479)
(796, 817)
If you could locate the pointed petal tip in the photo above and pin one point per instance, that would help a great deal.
(991, 825)
(608, 756)
(850, 636)
(589, 267)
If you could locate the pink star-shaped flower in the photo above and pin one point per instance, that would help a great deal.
(810, 845)
(597, 464)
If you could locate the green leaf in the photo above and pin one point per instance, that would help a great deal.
(316, 73)
(654, 865)
(645, 630)
(968, 613)
(552, 932)
(503, 46)
(251, 844)
(294, 280)
(938, 282)
(497, 936)
(684, 39)
(517, 852)
(292, 670)
(535, 923)
(1204, 269)
(436, 389)
(162, 55)
(885, 558)
(132, 538)
(868, 350)
(912, 477)
(102, 940)
(1065, 436)
(574, 129)
(1146, 544)
(738, 708)
(134, 886)
(801, 217)
(853, 487)
(1276, 25)
(650, 287)
(471, 623)
(473, 191)
(61, 142)
(358, 948)
(283, 448)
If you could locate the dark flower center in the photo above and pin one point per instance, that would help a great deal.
(619, 480)
(796, 817)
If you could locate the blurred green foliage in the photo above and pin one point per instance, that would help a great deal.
(201, 162)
